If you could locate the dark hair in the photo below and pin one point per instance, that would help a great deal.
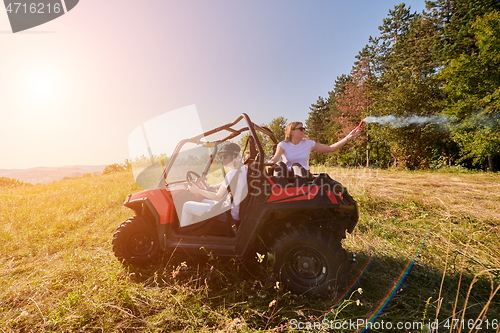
(230, 148)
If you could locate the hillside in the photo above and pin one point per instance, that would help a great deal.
(49, 174)
(58, 273)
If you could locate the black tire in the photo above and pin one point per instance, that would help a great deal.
(310, 261)
(136, 242)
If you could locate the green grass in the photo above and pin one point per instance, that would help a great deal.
(58, 273)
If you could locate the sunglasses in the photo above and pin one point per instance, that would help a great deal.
(224, 156)
(300, 129)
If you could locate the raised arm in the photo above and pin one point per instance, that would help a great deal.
(321, 148)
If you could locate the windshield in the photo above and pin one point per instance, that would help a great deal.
(152, 143)
(199, 158)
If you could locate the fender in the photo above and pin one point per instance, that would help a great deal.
(158, 204)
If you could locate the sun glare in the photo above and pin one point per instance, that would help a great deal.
(40, 97)
(42, 86)
(39, 90)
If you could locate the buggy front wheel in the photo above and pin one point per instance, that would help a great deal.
(136, 242)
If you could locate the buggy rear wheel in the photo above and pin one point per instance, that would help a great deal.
(310, 261)
(136, 242)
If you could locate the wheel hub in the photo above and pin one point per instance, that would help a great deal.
(307, 264)
(141, 243)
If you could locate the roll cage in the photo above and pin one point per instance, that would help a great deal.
(256, 150)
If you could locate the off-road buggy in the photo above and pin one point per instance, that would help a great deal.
(297, 219)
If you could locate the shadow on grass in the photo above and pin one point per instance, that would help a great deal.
(403, 290)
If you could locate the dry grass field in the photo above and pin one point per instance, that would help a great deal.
(426, 246)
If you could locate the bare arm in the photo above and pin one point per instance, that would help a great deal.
(216, 196)
(321, 148)
(215, 187)
(277, 155)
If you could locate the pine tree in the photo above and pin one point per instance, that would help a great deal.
(453, 20)
(318, 126)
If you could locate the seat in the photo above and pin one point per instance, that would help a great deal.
(281, 170)
(300, 171)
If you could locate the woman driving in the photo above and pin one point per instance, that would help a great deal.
(192, 210)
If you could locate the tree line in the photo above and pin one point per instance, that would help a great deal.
(442, 62)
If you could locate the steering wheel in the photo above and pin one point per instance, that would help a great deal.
(194, 178)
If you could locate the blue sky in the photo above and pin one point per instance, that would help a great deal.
(73, 89)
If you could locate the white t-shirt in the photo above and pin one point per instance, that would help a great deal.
(238, 189)
(298, 153)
